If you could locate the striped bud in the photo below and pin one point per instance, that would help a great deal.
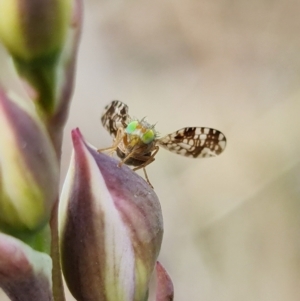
(28, 168)
(110, 228)
(25, 274)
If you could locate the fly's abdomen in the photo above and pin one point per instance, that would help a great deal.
(132, 161)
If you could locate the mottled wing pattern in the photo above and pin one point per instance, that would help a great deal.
(114, 116)
(196, 142)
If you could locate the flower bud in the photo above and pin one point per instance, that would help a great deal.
(33, 29)
(110, 228)
(28, 168)
(25, 274)
(34, 32)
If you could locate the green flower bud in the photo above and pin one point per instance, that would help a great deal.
(33, 29)
(110, 228)
(28, 168)
(35, 32)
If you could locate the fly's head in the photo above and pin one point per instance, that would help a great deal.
(140, 134)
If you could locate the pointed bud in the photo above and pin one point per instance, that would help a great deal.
(28, 168)
(110, 228)
(164, 287)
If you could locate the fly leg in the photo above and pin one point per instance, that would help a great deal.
(125, 159)
(117, 140)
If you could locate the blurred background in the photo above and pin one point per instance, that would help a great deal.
(231, 223)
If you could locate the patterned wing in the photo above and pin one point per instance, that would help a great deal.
(196, 142)
(114, 116)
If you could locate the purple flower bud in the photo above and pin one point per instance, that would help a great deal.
(110, 228)
(25, 274)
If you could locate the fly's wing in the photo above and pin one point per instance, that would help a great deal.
(115, 115)
(196, 142)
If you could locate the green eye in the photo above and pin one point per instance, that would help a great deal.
(131, 127)
(148, 136)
